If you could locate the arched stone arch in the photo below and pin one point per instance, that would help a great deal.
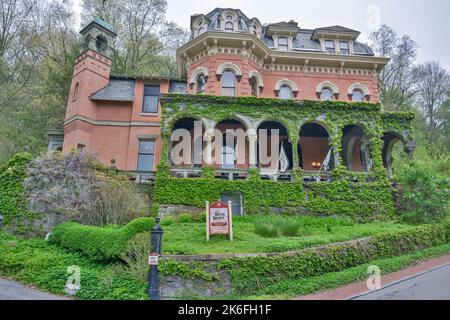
(330, 85)
(286, 82)
(186, 141)
(258, 77)
(314, 146)
(284, 142)
(356, 153)
(327, 84)
(197, 72)
(229, 66)
(247, 122)
(360, 87)
(390, 139)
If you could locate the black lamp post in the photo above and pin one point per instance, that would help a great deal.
(1, 221)
(154, 290)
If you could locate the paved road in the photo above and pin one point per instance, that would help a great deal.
(11, 290)
(431, 285)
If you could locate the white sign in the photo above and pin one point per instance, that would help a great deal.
(219, 219)
(153, 259)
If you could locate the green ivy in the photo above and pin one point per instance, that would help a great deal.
(13, 205)
(253, 275)
(342, 196)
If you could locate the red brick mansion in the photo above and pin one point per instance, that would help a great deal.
(120, 119)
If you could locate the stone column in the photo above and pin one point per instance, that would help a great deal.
(252, 150)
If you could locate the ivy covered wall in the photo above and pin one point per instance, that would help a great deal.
(342, 196)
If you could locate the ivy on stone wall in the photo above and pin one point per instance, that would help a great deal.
(339, 197)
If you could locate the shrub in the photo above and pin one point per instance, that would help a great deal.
(100, 244)
(185, 218)
(167, 221)
(426, 195)
(287, 227)
(272, 227)
(135, 256)
(70, 186)
(266, 229)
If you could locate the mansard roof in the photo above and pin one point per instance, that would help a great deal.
(305, 40)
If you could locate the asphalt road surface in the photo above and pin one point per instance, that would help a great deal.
(431, 285)
(11, 290)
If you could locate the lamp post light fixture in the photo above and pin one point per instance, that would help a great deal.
(154, 290)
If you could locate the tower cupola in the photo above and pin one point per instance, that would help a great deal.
(98, 36)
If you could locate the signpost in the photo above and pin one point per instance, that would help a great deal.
(219, 219)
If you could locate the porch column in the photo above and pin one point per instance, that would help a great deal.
(208, 149)
(252, 149)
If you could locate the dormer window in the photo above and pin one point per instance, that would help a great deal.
(283, 44)
(329, 46)
(343, 47)
(229, 26)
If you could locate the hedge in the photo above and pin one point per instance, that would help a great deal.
(99, 244)
(253, 275)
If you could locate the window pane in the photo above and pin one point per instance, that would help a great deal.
(254, 86)
(145, 162)
(229, 92)
(151, 90)
(283, 41)
(344, 47)
(201, 84)
(150, 104)
(229, 26)
(146, 147)
(357, 96)
(228, 79)
(329, 46)
(285, 93)
(326, 94)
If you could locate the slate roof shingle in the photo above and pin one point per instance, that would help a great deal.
(116, 90)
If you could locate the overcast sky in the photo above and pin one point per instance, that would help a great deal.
(425, 21)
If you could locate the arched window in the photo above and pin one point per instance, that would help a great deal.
(75, 91)
(285, 93)
(101, 44)
(229, 26)
(200, 84)
(357, 96)
(326, 94)
(228, 84)
(254, 86)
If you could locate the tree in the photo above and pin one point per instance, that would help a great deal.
(398, 76)
(433, 87)
(145, 41)
(37, 102)
(19, 30)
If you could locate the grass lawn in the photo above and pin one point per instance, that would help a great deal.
(189, 238)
